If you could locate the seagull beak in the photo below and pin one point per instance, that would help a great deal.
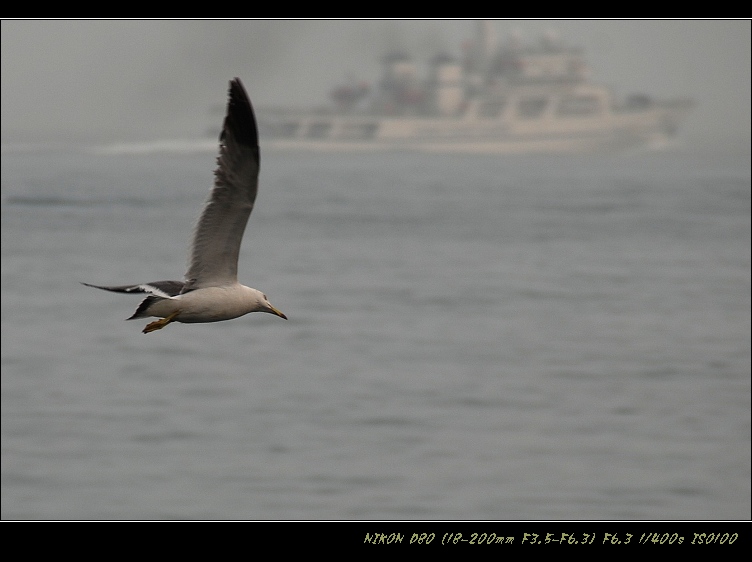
(279, 313)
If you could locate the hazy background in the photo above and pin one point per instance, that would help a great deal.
(470, 336)
(97, 81)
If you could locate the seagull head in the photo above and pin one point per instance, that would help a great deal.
(270, 309)
(260, 303)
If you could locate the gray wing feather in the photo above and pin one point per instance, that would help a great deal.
(219, 231)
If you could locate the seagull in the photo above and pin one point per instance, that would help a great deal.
(211, 292)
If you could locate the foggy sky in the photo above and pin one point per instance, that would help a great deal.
(86, 81)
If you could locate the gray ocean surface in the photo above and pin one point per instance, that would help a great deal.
(469, 337)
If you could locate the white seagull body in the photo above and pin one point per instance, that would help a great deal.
(211, 292)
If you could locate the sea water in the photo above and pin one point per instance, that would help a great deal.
(469, 337)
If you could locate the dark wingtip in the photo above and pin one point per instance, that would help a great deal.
(240, 120)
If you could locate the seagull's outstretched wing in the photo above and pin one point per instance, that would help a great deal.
(219, 232)
(162, 289)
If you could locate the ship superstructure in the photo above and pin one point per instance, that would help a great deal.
(498, 99)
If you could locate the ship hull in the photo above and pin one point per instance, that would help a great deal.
(614, 131)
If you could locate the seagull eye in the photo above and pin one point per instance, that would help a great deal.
(266, 299)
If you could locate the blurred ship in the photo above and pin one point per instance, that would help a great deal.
(513, 99)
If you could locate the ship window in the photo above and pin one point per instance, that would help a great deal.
(579, 105)
(529, 108)
(360, 131)
(491, 109)
(369, 131)
(289, 129)
(319, 130)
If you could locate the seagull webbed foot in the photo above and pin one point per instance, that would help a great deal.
(161, 323)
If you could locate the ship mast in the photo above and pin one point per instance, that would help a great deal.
(486, 39)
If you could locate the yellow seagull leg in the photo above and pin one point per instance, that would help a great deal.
(161, 323)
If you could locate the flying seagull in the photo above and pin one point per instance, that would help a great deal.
(211, 292)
